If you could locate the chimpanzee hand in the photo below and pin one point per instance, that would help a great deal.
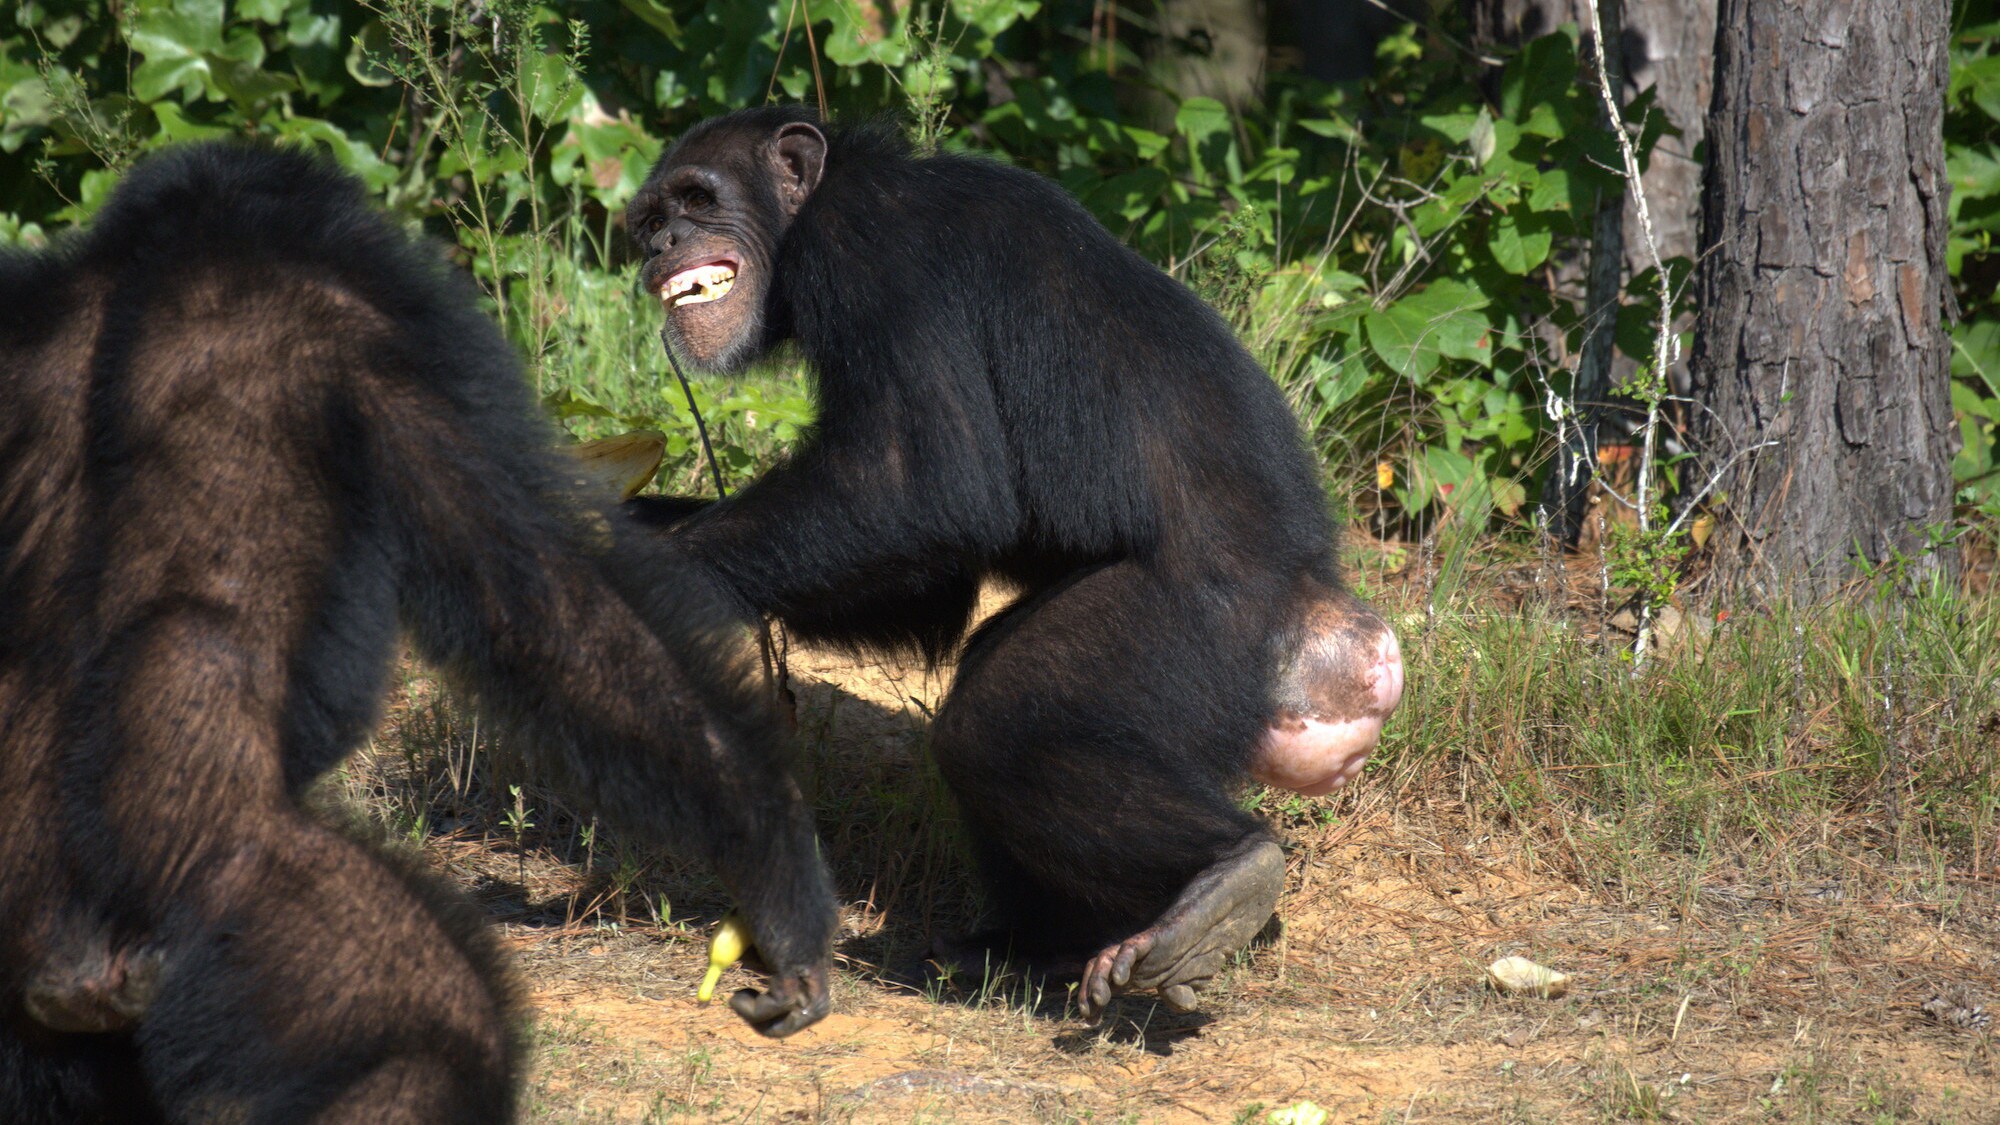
(796, 1000)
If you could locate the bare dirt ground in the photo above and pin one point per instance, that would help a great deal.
(1711, 990)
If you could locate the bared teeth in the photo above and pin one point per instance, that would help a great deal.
(694, 286)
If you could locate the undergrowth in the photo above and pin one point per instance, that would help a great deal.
(1793, 742)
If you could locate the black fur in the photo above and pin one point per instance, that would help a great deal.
(1006, 392)
(247, 432)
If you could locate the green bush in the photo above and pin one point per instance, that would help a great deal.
(1380, 245)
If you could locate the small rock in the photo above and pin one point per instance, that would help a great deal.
(1518, 976)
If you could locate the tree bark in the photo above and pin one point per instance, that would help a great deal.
(1821, 292)
(1212, 48)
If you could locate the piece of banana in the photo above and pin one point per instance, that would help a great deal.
(626, 462)
(731, 941)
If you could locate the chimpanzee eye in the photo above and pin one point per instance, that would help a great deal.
(653, 225)
(695, 198)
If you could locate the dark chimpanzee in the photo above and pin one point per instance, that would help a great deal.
(1006, 392)
(246, 431)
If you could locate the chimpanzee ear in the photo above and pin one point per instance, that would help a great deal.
(798, 155)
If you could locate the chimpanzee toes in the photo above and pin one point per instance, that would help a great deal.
(1218, 914)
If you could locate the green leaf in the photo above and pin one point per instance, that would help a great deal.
(1552, 191)
(175, 126)
(1975, 173)
(1542, 74)
(1455, 126)
(1519, 242)
(1444, 320)
(1975, 351)
(865, 34)
(157, 77)
(994, 16)
(269, 11)
(1336, 383)
(1966, 401)
(658, 15)
(370, 45)
(552, 91)
(1200, 118)
(1980, 79)
(1332, 128)
(1542, 121)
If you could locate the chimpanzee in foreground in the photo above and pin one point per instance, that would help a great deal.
(1007, 392)
(246, 431)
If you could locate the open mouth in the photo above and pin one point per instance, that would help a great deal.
(698, 284)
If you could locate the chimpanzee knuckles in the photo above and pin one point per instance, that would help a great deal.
(99, 993)
(794, 1002)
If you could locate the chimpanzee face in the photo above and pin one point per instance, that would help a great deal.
(708, 220)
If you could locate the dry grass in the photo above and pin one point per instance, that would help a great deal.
(1758, 863)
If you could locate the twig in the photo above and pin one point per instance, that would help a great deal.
(1666, 346)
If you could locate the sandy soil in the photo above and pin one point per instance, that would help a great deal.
(1709, 992)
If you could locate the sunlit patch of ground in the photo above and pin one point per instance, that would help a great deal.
(1710, 984)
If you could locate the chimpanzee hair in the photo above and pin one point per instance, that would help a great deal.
(249, 432)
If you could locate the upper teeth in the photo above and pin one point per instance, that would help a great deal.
(702, 283)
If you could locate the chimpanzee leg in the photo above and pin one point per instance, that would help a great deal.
(309, 982)
(1093, 740)
(282, 972)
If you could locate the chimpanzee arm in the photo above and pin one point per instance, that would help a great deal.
(873, 534)
(664, 511)
(633, 675)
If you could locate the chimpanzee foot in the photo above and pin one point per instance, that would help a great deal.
(99, 991)
(1216, 915)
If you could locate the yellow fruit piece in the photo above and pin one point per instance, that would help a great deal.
(731, 941)
(1385, 474)
(626, 462)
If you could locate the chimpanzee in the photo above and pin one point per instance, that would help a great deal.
(1005, 392)
(247, 429)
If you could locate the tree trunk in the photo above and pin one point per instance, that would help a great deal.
(1821, 291)
(1212, 48)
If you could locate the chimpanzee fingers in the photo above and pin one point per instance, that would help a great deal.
(100, 992)
(1179, 998)
(774, 1015)
(792, 1004)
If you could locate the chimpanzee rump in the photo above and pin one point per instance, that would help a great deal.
(1006, 392)
(247, 430)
